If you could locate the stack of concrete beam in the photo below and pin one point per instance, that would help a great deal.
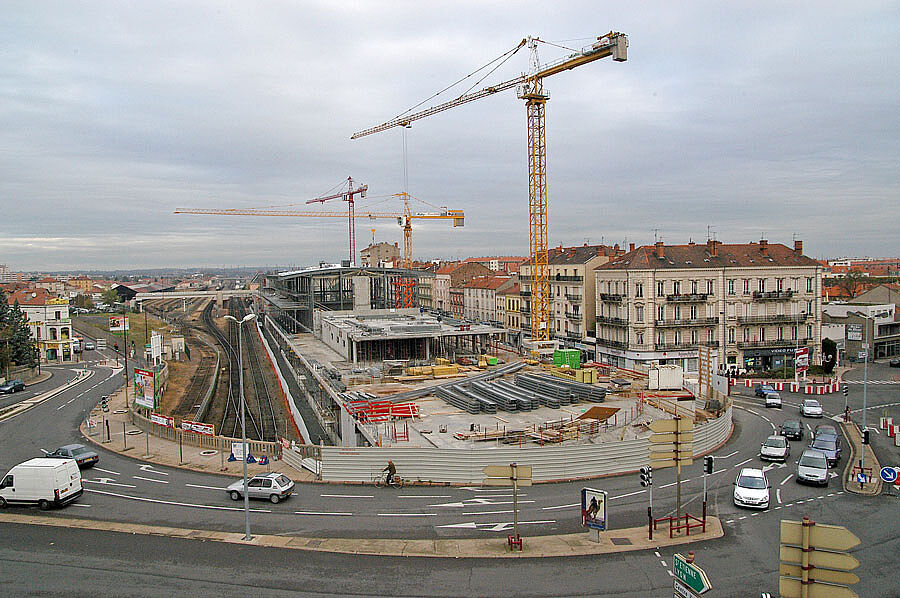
(561, 389)
(527, 399)
(465, 401)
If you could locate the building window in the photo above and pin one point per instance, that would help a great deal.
(746, 335)
(793, 333)
(779, 284)
(677, 310)
(762, 285)
(660, 338)
(676, 287)
(809, 333)
(731, 335)
(694, 336)
(731, 287)
(693, 312)
(710, 287)
(809, 307)
(639, 313)
(809, 285)
(762, 333)
(661, 313)
(660, 288)
(746, 286)
(58, 315)
(639, 337)
(53, 334)
(639, 289)
(677, 337)
(709, 335)
(694, 287)
(781, 333)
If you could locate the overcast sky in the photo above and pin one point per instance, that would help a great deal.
(762, 119)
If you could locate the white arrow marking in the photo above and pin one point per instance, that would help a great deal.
(500, 527)
(832, 474)
(150, 469)
(425, 496)
(450, 504)
(473, 489)
(486, 513)
(784, 481)
(470, 525)
(479, 501)
(137, 477)
(106, 471)
(726, 456)
(778, 495)
(109, 482)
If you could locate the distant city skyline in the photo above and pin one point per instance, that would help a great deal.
(748, 120)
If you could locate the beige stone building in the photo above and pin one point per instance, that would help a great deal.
(755, 303)
(379, 254)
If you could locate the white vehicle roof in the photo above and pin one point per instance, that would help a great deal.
(44, 462)
(751, 472)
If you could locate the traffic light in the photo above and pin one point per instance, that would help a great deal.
(865, 436)
(845, 390)
(116, 347)
(708, 464)
(104, 403)
(646, 476)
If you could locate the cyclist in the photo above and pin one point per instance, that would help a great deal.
(391, 470)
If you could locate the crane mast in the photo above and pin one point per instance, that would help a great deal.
(351, 210)
(530, 88)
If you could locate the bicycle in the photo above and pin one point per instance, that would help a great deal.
(381, 481)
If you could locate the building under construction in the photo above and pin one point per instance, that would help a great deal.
(291, 298)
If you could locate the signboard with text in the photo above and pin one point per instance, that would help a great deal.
(690, 575)
(143, 388)
(801, 359)
(854, 332)
(118, 323)
(198, 427)
(162, 420)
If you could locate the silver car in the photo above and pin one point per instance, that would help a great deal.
(775, 448)
(811, 408)
(812, 468)
(274, 487)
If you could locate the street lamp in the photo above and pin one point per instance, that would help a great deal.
(868, 349)
(247, 318)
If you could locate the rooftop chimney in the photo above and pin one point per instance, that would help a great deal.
(764, 247)
(660, 250)
(798, 246)
(631, 247)
(712, 247)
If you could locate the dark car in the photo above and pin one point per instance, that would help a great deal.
(825, 430)
(12, 386)
(84, 456)
(792, 429)
(830, 446)
(762, 390)
(894, 363)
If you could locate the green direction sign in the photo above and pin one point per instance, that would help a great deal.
(690, 575)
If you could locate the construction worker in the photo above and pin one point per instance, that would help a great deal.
(391, 470)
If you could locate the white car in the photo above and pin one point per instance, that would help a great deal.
(273, 487)
(811, 408)
(751, 489)
(775, 448)
(812, 468)
(773, 399)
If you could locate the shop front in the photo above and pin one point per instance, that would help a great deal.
(764, 360)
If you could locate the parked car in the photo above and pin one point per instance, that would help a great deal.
(751, 489)
(792, 429)
(894, 363)
(810, 408)
(12, 386)
(812, 468)
(773, 399)
(274, 487)
(84, 456)
(762, 389)
(830, 445)
(775, 448)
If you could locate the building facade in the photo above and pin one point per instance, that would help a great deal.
(49, 322)
(480, 297)
(379, 255)
(756, 303)
(454, 276)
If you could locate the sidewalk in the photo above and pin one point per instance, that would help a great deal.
(128, 440)
(615, 541)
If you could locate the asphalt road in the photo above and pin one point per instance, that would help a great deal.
(126, 489)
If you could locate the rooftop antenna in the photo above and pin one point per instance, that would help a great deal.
(655, 235)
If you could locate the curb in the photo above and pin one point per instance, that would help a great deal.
(23, 406)
(563, 545)
(851, 430)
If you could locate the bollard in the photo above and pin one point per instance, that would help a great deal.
(124, 437)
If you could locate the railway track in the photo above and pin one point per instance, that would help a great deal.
(265, 410)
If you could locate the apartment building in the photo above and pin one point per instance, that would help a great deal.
(379, 254)
(480, 297)
(756, 303)
(454, 275)
(509, 312)
(505, 264)
(49, 322)
(572, 271)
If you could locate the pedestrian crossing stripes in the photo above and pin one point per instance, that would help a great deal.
(871, 382)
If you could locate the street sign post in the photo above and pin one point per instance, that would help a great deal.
(811, 556)
(889, 474)
(672, 445)
(509, 475)
(690, 575)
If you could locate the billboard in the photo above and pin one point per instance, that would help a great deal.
(118, 323)
(198, 427)
(162, 420)
(593, 508)
(801, 359)
(854, 332)
(144, 391)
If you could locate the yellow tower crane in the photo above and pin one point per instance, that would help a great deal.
(530, 87)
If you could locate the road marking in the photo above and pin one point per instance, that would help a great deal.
(406, 514)
(471, 502)
(487, 513)
(494, 527)
(784, 481)
(663, 563)
(773, 426)
(656, 552)
(832, 494)
(742, 518)
(728, 455)
(744, 461)
(347, 495)
(106, 471)
(624, 495)
(137, 477)
(207, 487)
(808, 427)
(108, 482)
(174, 503)
(149, 469)
(423, 496)
(790, 504)
(574, 504)
(75, 504)
(338, 514)
(778, 507)
(778, 495)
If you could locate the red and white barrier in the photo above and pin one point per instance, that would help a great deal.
(892, 430)
(795, 387)
(886, 423)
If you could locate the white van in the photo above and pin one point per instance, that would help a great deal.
(43, 482)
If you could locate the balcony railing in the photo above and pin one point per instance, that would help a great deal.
(690, 322)
(574, 316)
(614, 344)
(675, 346)
(525, 293)
(783, 342)
(687, 297)
(524, 310)
(773, 319)
(772, 295)
(611, 297)
(561, 278)
(612, 321)
(575, 298)
(570, 336)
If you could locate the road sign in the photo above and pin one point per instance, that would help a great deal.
(683, 591)
(690, 574)
(822, 536)
(824, 575)
(791, 588)
(506, 482)
(861, 478)
(682, 437)
(889, 474)
(505, 471)
(820, 558)
(661, 426)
